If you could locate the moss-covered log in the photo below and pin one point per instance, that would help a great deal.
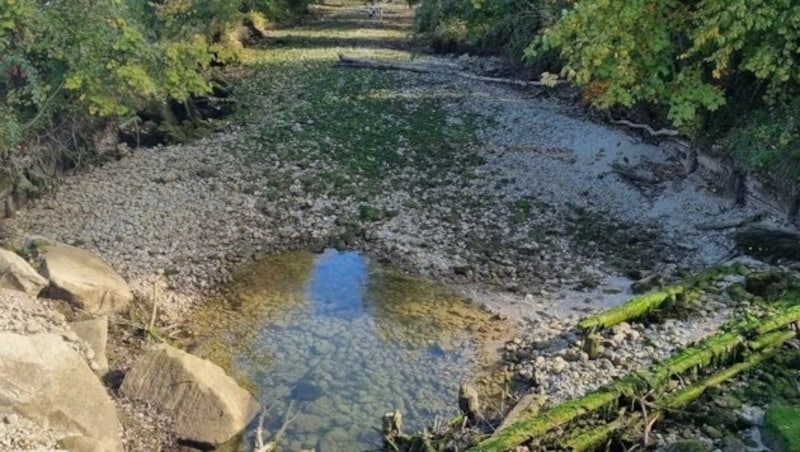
(629, 385)
(778, 321)
(706, 353)
(643, 304)
(563, 414)
(633, 308)
(685, 396)
(593, 438)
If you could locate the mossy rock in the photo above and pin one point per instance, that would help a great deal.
(769, 285)
(689, 445)
(781, 430)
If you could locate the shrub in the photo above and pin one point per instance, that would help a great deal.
(68, 61)
(686, 58)
(504, 26)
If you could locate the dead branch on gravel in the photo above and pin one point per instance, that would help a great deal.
(731, 224)
(635, 174)
(646, 128)
(436, 68)
(272, 445)
(152, 325)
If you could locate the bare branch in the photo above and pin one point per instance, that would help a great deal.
(435, 68)
(647, 128)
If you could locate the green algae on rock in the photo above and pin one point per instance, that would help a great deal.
(782, 428)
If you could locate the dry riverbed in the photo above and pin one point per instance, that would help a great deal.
(506, 194)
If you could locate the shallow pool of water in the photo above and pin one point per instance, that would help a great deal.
(337, 342)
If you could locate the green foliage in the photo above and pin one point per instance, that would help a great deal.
(768, 139)
(687, 57)
(782, 427)
(485, 25)
(110, 58)
(277, 10)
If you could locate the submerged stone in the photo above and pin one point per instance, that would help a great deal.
(305, 391)
(333, 337)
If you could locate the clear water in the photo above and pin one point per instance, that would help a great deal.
(335, 342)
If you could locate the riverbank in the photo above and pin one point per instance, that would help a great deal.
(508, 195)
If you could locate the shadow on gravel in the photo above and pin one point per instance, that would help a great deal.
(359, 24)
(306, 42)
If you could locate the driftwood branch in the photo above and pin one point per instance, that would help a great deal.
(647, 128)
(731, 224)
(272, 445)
(635, 174)
(435, 68)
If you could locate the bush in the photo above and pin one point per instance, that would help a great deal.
(768, 139)
(496, 26)
(687, 57)
(79, 59)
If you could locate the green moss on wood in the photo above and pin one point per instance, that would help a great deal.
(633, 308)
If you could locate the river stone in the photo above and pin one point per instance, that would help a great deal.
(17, 274)
(310, 423)
(337, 439)
(46, 381)
(306, 391)
(95, 333)
(207, 405)
(83, 279)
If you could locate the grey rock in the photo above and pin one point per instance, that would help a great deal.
(83, 279)
(207, 405)
(95, 333)
(17, 274)
(46, 381)
(733, 444)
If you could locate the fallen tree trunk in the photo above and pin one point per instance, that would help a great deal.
(593, 438)
(634, 174)
(730, 224)
(786, 317)
(629, 385)
(633, 308)
(766, 336)
(433, 68)
(643, 304)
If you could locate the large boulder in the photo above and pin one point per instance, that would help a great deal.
(207, 405)
(46, 381)
(84, 280)
(17, 274)
(95, 333)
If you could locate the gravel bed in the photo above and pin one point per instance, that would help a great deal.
(530, 220)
